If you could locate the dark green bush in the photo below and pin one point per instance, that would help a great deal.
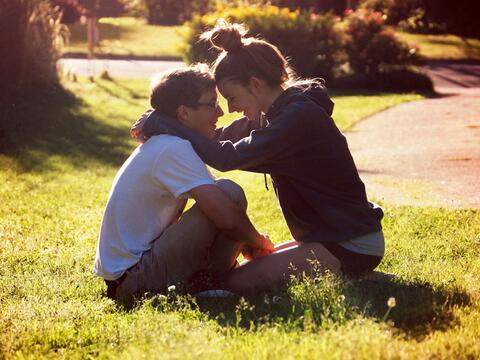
(397, 80)
(72, 10)
(371, 48)
(429, 16)
(174, 12)
(311, 42)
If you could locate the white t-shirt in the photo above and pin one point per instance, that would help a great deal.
(147, 193)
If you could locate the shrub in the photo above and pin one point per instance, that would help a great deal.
(72, 10)
(394, 10)
(371, 48)
(428, 16)
(397, 80)
(174, 12)
(32, 47)
(311, 42)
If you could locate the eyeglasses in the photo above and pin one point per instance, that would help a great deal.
(213, 104)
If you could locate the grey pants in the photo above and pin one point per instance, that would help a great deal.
(184, 248)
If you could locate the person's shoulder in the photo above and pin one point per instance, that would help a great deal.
(174, 149)
(166, 142)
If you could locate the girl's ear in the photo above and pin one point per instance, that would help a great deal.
(255, 85)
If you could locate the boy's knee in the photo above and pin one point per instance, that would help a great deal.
(234, 191)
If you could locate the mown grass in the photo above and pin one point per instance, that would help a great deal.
(126, 36)
(443, 47)
(56, 173)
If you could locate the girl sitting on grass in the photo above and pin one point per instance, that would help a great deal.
(288, 133)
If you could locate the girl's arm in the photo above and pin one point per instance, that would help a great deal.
(256, 152)
(237, 130)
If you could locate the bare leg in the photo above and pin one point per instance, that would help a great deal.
(273, 270)
(227, 246)
(286, 244)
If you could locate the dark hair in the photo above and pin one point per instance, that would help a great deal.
(182, 86)
(244, 57)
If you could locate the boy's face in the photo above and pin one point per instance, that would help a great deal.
(203, 116)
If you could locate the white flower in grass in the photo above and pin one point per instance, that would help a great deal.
(171, 288)
(391, 302)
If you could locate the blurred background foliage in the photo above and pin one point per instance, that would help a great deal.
(347, 42)
(32, 36)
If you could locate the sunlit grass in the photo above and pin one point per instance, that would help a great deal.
(128, 36)
(55, 182)
(443, 47)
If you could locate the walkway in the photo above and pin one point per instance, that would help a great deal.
(426, 152)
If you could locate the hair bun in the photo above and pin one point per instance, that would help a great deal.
(226, 36)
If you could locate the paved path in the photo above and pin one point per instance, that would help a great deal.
(142, 69)
(425, 152)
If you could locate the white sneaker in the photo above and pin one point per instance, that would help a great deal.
(217, 293)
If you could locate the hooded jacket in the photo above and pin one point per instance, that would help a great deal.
(313, 173)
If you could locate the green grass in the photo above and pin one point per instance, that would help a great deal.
(129, 37)
(62, 156)
(443, 47)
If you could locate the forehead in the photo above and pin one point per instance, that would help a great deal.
(230, 87)
(209, 94)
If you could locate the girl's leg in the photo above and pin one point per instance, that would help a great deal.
(273, 270)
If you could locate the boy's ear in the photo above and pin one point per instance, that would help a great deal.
(182, 113)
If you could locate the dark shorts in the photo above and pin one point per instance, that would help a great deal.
(352, 263)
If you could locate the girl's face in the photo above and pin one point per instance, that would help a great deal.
(240, 98)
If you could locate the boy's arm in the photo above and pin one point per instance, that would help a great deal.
(227, 215)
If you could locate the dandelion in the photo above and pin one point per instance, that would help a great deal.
(171, 288)
(162, 297)
(391, 302)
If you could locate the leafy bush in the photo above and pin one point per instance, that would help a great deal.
(72, 10)
(371, 48)
(394, 10)
(174, 12)
(312, 42)
(397, 80)
(428, 16)
(32, 47)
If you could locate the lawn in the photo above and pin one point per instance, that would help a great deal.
(443, 47)
(55, 180)
(129, 36)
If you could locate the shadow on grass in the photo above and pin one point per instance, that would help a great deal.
(44, 124)
(325, 303)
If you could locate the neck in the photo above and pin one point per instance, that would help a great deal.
(271, 96)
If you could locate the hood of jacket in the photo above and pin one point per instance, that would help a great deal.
(316, 93)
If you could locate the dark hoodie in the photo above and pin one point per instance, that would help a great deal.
(312, 170)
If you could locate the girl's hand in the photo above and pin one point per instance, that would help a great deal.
(136, 129)
(267, 248)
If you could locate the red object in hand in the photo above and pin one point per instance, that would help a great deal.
(250, 253)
